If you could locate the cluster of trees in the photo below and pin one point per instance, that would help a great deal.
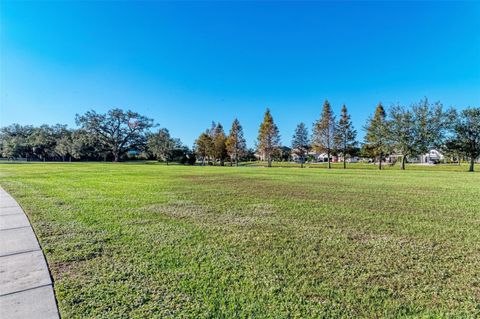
(401, 131)
(329, 136)
(214, 145)
(412, 131)
(111, 136)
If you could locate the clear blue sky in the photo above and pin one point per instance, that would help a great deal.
(185, 64)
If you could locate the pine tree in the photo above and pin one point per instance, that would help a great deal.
(377, 134)
(211, 147)
(236, 144)
(345, 135)
(323, 132)
(301, 142)
(268, 137)
(218, 141)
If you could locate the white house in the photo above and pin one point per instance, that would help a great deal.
(433, 156)
(323, 157)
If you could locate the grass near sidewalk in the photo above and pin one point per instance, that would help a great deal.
(155, 241)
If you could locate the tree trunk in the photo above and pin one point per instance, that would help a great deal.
(380, 161)
(344, 161)
(328, 159)
(472, 163)
(301, 162)
(236, 161)
(403, 162)
(269, 158)
(116, 157)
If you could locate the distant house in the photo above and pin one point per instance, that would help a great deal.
(260, 156)
(323, 157)
(350, 159)
(433, 156)
(317, 157)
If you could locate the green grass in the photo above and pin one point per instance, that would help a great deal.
(362, 165)
(155, 241)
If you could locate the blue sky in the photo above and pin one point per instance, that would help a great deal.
(188, 63)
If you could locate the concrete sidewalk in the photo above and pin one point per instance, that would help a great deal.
(26, 289)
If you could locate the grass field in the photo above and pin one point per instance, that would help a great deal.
(155, 241)
(361, 165)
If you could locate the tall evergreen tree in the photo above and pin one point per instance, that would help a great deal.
(323, 139)
(301, 142)
(218, 142)
(268, 137)
(210, 146)
(345, 135)
(377, 134)
(236, 144)
(203, 145)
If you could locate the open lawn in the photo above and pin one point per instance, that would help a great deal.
(154, 241)
(361, 165)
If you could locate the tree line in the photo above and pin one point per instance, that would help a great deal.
(112, 136)
(404, 131)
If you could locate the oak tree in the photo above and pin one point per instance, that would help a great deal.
(118, 131)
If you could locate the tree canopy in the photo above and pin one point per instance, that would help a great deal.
(466, 134)
(118, 131)
(413, 131)
(162, 145)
